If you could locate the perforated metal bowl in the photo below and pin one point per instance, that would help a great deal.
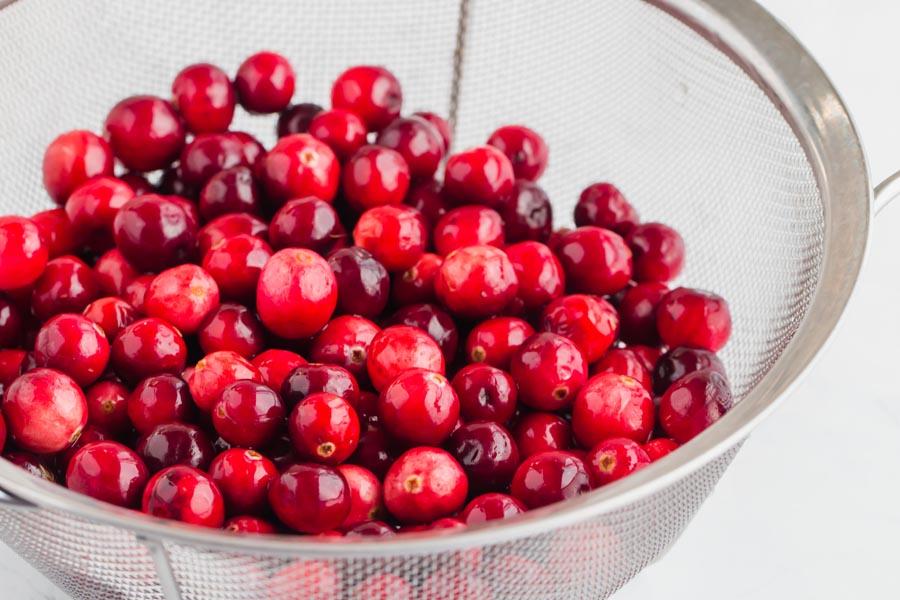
(706, 113)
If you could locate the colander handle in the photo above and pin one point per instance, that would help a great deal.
(887, 191)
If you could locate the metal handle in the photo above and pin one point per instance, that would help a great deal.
(887, 191)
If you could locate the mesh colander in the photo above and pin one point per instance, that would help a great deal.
(705, 112)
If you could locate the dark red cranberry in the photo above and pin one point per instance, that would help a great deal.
(648, 355)
(57, 232)
(395, 235)
(228, 226)
(296, 294)
(439, 123)
(371, 529)
(432, 320)
(275, 365)
(324, 428)
(248, 414)
(155, 232)
(398, 348)
(374, 452)
(425, 484)
(312, 378)
(175, 444)
(341, 129)
(637, 313)
(418, 142)
(310, 498)
(182, 296)
(10, 324)
(487, 453)
(366, 502)
(681, 361)
(296, 118)
(208, 154)
(205, 98)
(92, 207)
(540, 274)
(549, 477)
(612, 406)
(660, 447)
(345, 342)
(419, 408)
(306, 223)
(73, 158)
(265, 83)
(603, 205)
(229, 191)
(145, 133)
(111, 314)
(363, 282)
(693, 403)
(596, 261)
(658, 252)
(148, 347)
(136, 292)
(67, 285)
(525, 149)
(373, 93)
(490, 507)
(496, 340)
(426, 197)
(299, 165)
(624, 361)
(589, 321)
(416, 284)
(14, 363)
(44, 410)
(231, 327)
(186, 494)
(476, 281)
(550, 370)
(107, 403)
(375, 176)
(243, 477)
(527, 213)
(480, 175)
(23, 253)
(693, 318)
(367, 406)
(172, 183)
(614, 458)
(138, 183)
(214, 372)
(468, 226)
(157, 400)
(113, 273)
(108, 471)
(245, 525)
(235, 264)
(485, 393)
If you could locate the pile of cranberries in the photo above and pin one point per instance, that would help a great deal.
(352, 333)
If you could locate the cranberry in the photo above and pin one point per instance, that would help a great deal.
(395, 235)
(249, 526)
(183, 493)
(648, 355)
(44, 410)
(148, 347)
(660, 447)
(171, 444)
(658, 252)
(416, 284)
(485, 393)
(73, 158)
(275, 365)
(297, 118)
(589, 321)
(596, 261)
(306, 223)
(296, 294)
(209, 154)
(243, 477)
(363, 282)
(92, 207)
(40, 466)
(183, 296)
(345, 343)
(375, 176)
(550, 370)
(23, 253)
(230, 191)
(310, 498)
(231, 327)
(694, 318)
(540, 274)
(110, 314)
(384, 587)
(235, 265)
(157, 400)
(172, 183)
(487, 453)
(371, 529)
(136, 292)
(373, 451)
(113, 273)
(214, 372)
(145, 133)
(66, 285)
(419, 407)
(426, 197)
(109, 472)
(205, 98)
(440, 124)
(637, 312)
(611, 405)
(299, 165)
(603, 205)
(525, 149)
(453, 583)
(341, 129)
(10, 324)
(423, 485)
(12, 364)
(305, 580)
(137, 182)
(311, 378)
(480, 175)
(624, 361)
(107, 403)
(367, 406)
(265, 83)
(399, 348)
(248, 414)
(468, 226)
(496, 340)
(490, 507)
(476, 281)
(57, 232)
(366, 502)
(527, 213)
(693, 403)
(615, 458)
(324, 428)
(373, 93)
(154, 232)
(681, 361)
(228, 226)
(549, 477)
(432, 320)
(418, 142)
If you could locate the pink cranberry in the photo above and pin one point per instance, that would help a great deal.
(23, 253)
(248, 414)
(312, 378)
(681, 361)
(310, 498)
(693, 403)
(434, 321)
(384, 587)
(296, 294)
(637, 313)
(57, 232)
(550, 370)
(395, 235)
(363, 282)
(249, 526)
(490, 507)
(596, 261)
(694, 318)
(419, 407)
(589, 321)
(44, 410)
(230, 191)
(265, 83)
(157, 400)
(485, 393)
(540, 275)
(235, 264)
(228, 226)
(614, 458)
(186, 494)
(440, 124)
(107, 403)
(175, 444)
(374, 451)
(603, 205)
(345, 342)
(73, 158)
(183, 296)
(482, 175)
(418, 142)
(341, 129)
(148, 347)
(468, 226)
(416, 284)
(375, 176)
(611, 406)
(111, 315)
(205, 98)
(324, 428)
(496, 340)
(213, 373)
(67, 285)
(108, 471)
(476, 281)
(399, 348)
(243, 477)
(660, 447)
(373, 93)
(658, 252)
(524, 148)
(145, 133)
(426, 197)
(299, 165)
(155, 232)
(624, 361)
(92, 207)
(549, 477)
(527, 213)
(366, 502)
(306, 223)
(113, 273)
(487, 453)
(297, 118)
(231, 327)
(423, 485)
(275, 365)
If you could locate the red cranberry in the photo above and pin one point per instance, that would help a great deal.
(138, 183)
(596, 261)
(419, 408)
(172, 183)
(660, 447)
(603, 205)
(296, 294)
(243, 477)
(468, 226)
(306, 223)
(490, 507)
(693, 403)
(614, 458)
(23, 253)
(145, 133)
(374, 451)
(549, 477)
(12, 364)
(157, 400)
(423, 485)
(648, 355)
(60, 461)
(73, 158)
(373, 93)
(57, 232)
(418, 142)
(540, 274)
(611, 406)
(312, 378)
(624, 361)
(527, 213)
(485, 393)
(107, 403)
(589, 321)
(426, 197)
(44, 410)
(299, 165)
(109, 472)
(113, 273)
(93, 206)
(371, 529)
(681, 361)
(110, 314)
(275, 365)
(496, 340)
(248, 414)
(265, 83)
(214, 372)
(297, 118)
(235, 265)
(658, 252)
(10, 324)
(155, 232)
(365, 495)
(487, 453)
(230, 191)
(399, 348)
(432, 320)
(183, 493)
(345, 342)
(416, 284)
(395, 235)
(363, 282)
(205, 98)
(249, 526)
(341, 129)
(637, 312)
(183, 296)
(440, 124)
(384, 587)
(175, 444)
(525, 149)
(310, 498)
(231, 327)
(208, 154)
(136, 292)
(550, 370)
(476, 281)
(228, 226)
(253, 149)
(324, 428)
(694, 318)
(148, 347)
(480, 175)
(67, 285)
(375, 176)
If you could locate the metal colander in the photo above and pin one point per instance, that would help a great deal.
(706, 113)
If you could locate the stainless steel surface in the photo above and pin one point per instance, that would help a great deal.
(706, 112)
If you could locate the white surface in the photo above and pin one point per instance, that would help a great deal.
(809, 508)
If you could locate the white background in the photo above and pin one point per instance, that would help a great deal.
(810, 508)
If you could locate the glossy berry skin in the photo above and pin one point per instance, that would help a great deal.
(157, 400)
(23, 253)
(395, 235)
(371, 529)
(92, 206)
(296, 294)
(694, 318)
(310, 498)
(589, 321)
(366, 503)
(230, 191)
(186, 494)
(208, 154)
(418, 142)
(658, 252)
(603, 205)
(490, 507)
(426, 197)
(312, 378)
(681, 361)
(648, 355)
(375, 176)
(496, 340)
(525, 148)
(693, 403)
(265, 83)
(624, 361)
(614, 458)
(432, 320)
(182, 296)
(14, 363)
(424, 485)
(296, 118)
(540, 432)
(228, 226)
(145, 133)
(480, 175)
(371, 92)
(416, 284)
(67, 285)
(213, 373)
(419, 408)
(73, 158)
(527, 213)
(374, 451)
(299, 165)
(540, 274)
(231, 327)
(244, 525)
(111, 314)
(243, 477)
(175, 444)
(275, 365)
(57, 232)
(550, 370)
(637, 313)
(136, 291)
(236, 264)
(384, 587)
(468, 226)
(476, 281)
(74, 345)
(306, 223)
(596, 261)
(113, 273)
(10, 324)
(440, 124)
(660, 447)
(204, 96)
(485, 393)
(148, 347)
(108, 471)
(44, 411)
(345, 342)
(549, 477)
(248, 414)
(612, 406)
(155, 232)
(487, 453)
(324, 429)
(341, 129)
(363, 283)
(398, 348)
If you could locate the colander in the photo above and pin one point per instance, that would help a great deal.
(707, 113)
